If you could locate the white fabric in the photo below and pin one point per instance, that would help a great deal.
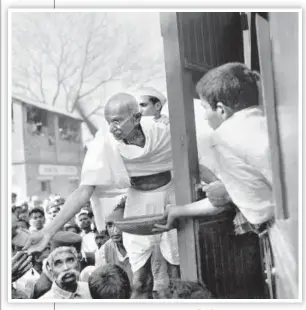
(155, 156)
(27, 282)
(140, 248)
(100, 255)
(241, 155)
(56, 292)
(103, 165)
(152, 92)
(109, 163)
(88, 242)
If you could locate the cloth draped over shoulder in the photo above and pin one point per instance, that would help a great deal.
(109, 163)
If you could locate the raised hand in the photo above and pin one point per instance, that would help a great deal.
(21, 263)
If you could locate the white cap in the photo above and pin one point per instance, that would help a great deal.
(152, 92)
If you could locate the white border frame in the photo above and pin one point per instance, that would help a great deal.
(278, 301)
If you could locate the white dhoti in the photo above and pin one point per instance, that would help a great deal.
(140, 248)
(109, 164)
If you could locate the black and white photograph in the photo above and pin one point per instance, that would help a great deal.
(154, 154)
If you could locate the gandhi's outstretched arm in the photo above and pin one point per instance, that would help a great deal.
(38, 241)
(72, 206)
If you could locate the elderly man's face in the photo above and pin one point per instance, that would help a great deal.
(65, 268)
(121, 122)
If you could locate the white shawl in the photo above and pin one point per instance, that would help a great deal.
(109, 163)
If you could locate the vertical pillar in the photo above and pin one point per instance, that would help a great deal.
(183, 136)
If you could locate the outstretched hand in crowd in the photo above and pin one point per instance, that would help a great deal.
(37, 242)
(21, 263)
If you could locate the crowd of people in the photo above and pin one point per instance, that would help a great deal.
(61, 251)
(80, 261)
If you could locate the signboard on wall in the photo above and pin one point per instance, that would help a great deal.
(57, 170)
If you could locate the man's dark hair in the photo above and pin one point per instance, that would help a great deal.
(153, 99)
(109, 282)
(233, 84)
(188, 290)
(37, 210)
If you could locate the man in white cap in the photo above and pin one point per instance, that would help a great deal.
(151, 103)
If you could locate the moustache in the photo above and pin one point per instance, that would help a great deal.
(65, 274)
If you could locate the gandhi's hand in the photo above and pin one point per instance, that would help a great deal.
(217, 193)
(37, 242)
(21, 263)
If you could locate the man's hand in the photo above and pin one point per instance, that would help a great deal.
(170, 216)
(21, 263)
(37, 242)
(217, 193)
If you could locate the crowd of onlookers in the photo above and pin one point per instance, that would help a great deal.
(80, 262)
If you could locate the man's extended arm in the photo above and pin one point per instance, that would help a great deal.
(72, 206)
(38, 241)
(194, 209)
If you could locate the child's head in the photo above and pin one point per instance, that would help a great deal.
(188, 290)
(225, 90)
(150, 101)
(109, 282)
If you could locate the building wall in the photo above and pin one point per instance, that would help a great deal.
(69, 152)
(285, 57)
(50, 163)
(43, 182)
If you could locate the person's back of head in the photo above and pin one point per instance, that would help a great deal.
(109, 282)
(232, 84)
(188, 290)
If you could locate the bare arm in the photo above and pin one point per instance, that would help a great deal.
(72, 206)
(194, 209)
(198, 208)
(38, 241)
